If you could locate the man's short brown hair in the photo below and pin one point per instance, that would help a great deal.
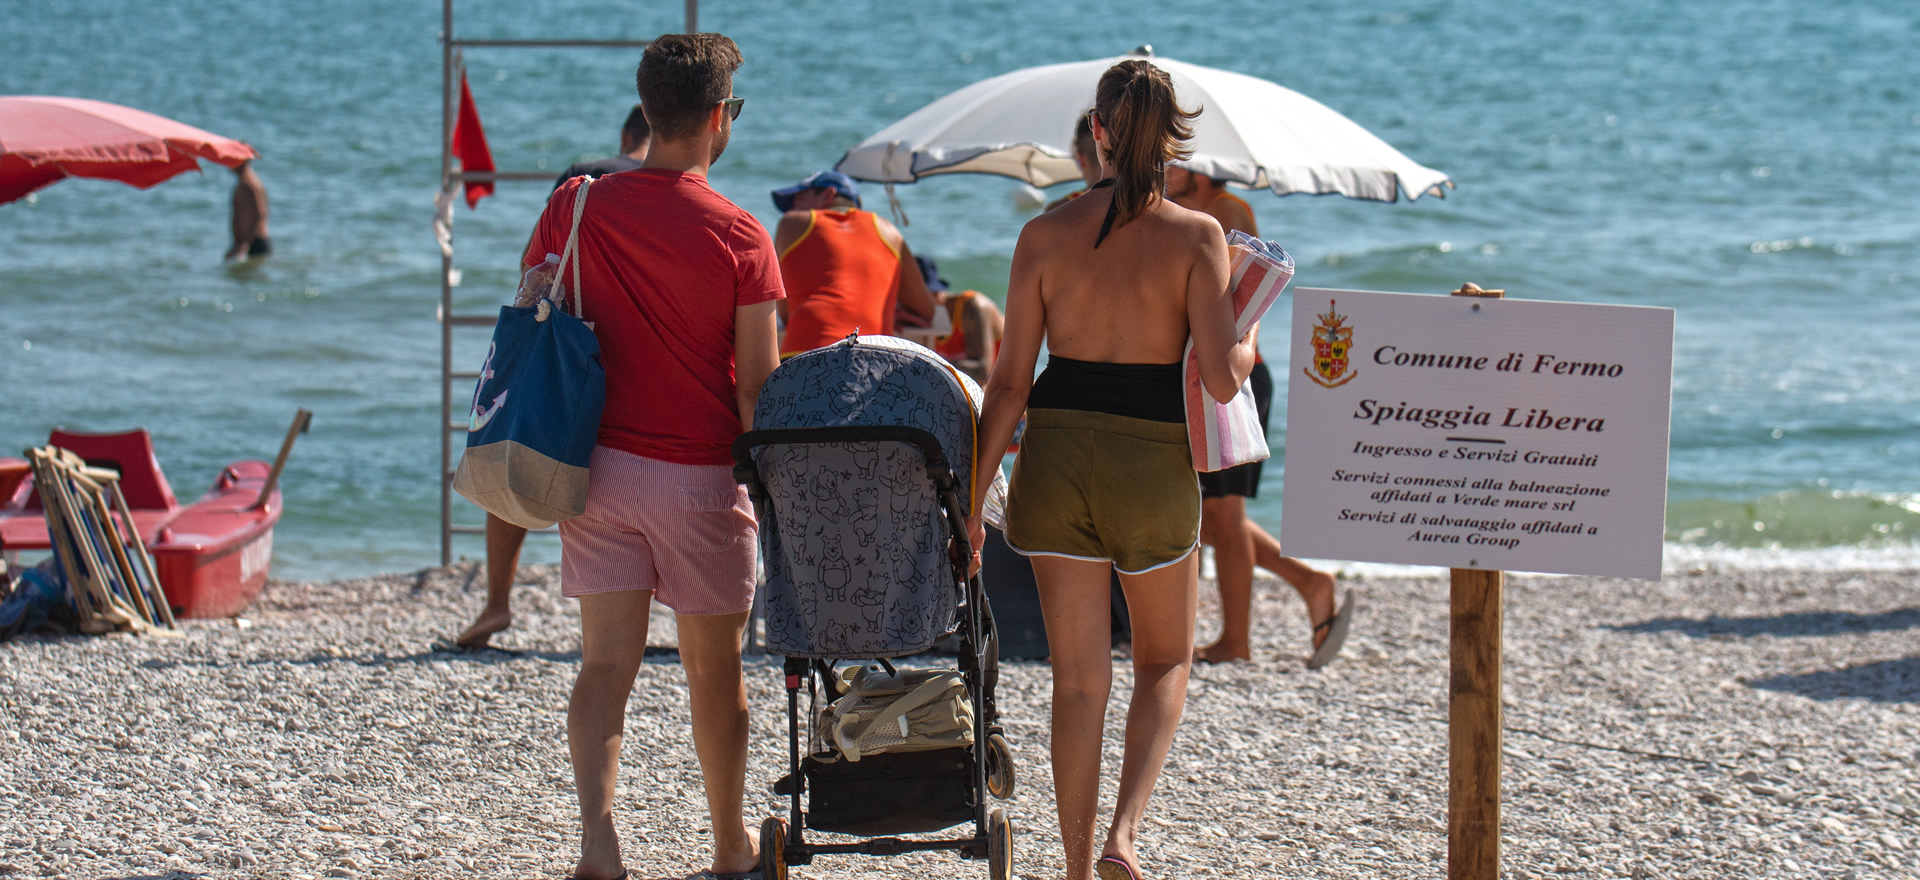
(682, 77)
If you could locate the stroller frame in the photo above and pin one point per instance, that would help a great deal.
(783, 841)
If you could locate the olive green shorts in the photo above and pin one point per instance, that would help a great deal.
(1104, 488)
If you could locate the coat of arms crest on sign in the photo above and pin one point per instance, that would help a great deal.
(1332, 339)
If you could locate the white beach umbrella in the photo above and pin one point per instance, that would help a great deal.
(1250, 131)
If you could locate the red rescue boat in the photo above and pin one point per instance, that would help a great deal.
(213, 554)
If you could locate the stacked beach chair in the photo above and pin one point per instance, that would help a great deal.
(110, 576)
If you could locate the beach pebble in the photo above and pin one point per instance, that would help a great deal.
(331, 739)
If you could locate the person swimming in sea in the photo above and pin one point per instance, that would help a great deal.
(249, 215)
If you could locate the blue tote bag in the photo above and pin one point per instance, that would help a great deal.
(536, 408)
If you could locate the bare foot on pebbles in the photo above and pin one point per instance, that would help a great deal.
(482, 629)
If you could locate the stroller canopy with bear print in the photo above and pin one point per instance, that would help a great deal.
(856, 519)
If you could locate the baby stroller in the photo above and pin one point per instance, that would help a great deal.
(860, 469)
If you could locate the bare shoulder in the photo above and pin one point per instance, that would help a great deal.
(796, 220)
(1231, 214)
(1054, 222)
(1189, 225)
(793, 226)
(888, 231)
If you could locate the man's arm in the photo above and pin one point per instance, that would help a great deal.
(912, 294)
(756, 351)
(792, 227)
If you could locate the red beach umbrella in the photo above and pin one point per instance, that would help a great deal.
(43, 139)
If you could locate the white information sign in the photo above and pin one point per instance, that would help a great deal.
(1468, 432)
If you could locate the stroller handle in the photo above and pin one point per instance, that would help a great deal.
(920, 438)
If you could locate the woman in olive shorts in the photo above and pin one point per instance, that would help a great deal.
(1115, 282)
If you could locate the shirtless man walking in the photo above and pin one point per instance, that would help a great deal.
(1240, 543)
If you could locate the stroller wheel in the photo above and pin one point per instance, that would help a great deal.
(1000, 777)
(773, 849)
(999, 845)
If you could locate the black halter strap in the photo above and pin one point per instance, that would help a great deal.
(1113, 210)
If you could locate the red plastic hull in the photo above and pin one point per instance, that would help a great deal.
(213, 555)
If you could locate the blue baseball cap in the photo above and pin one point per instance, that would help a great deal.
(931, 273)
(833, 180)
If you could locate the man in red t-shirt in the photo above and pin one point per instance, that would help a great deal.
(680, 286)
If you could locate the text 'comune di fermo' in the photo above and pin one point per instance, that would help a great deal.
(1513, 362)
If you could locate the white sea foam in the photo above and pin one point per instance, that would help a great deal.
(1692, 558)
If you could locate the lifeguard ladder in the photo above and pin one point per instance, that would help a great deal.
(452, 67)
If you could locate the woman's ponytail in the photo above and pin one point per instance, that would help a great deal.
(1146, 129)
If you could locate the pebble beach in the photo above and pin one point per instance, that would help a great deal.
(1764, 724)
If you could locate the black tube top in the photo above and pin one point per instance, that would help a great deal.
(1139, 391)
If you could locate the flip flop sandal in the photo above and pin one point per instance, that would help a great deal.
(449, 646)
(1111, 868)
(620, 876)
(1336, 627)
(739, 875)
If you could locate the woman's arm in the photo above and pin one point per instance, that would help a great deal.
(1225, 357)
(1012, 375)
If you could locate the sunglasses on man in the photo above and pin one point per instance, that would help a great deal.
(733, 106)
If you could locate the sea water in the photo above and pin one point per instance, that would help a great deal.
(1751, 164)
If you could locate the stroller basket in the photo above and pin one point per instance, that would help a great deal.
(905, 793)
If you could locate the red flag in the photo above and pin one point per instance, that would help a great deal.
(470, 145)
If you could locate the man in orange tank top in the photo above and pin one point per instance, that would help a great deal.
(1238, 542)
(845, 270)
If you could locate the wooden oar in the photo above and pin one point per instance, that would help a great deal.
(302, 419)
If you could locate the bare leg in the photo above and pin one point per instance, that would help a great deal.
(1162, 604)
(1224, 525)
(1074, 602)
(1314, 586)
(710, 654)
(503, 564)
(613, 642)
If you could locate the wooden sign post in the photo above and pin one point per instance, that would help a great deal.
(1473, 726)
(1473, 712)
(1483, 435)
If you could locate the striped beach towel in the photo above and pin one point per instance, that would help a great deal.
(1225, 435)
